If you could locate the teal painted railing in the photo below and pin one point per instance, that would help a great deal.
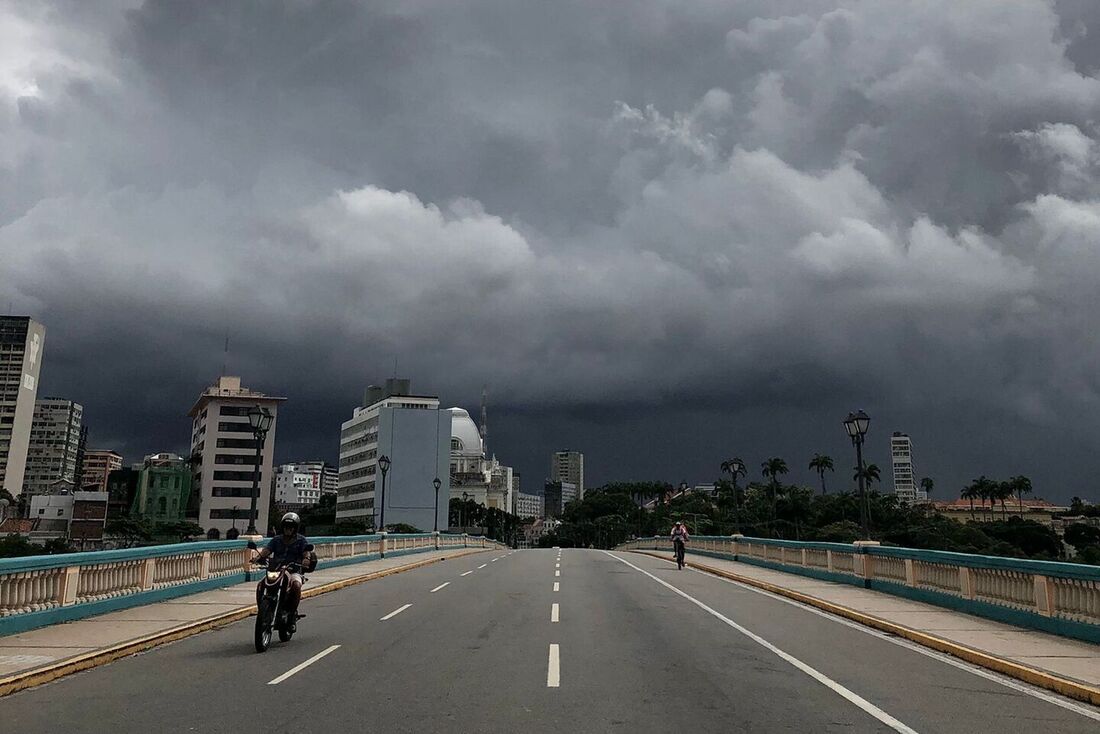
(41, 590)
(1061, 598)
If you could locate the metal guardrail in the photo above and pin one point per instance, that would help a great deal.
(40, 590)
(1062, 598)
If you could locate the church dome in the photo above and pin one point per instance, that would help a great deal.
(465, 438)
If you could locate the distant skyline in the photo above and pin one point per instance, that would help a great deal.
(662, 233)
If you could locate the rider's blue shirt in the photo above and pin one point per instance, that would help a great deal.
(293, 551)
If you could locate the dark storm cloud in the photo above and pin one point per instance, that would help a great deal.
(661, 232)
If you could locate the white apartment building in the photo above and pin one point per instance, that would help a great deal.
(54, 451)
(298, 484)
(528, 505)
(413, 433)
(568, 466)
(21, 343)
(223, 449)
(905, 485)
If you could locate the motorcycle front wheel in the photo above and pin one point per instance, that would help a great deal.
(265, 617)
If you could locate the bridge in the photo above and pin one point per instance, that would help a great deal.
(452, 633)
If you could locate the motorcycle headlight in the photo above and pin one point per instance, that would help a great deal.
(272, 575)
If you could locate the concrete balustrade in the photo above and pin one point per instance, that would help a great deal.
(39, 590)
(1063, 598)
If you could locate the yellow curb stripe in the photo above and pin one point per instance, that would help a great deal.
(1034, 676)
(21, 681)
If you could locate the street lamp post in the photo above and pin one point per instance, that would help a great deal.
(437, 484)
(384, 467)
(856, 424)
(735, 467)
(259, 419)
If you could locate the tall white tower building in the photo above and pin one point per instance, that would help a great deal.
(223, 449)
(21, 343)
(901, 454)
(568, 466)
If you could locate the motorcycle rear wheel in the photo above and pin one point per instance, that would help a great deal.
(265, 617)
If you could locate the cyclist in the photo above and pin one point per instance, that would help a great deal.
(679, 537)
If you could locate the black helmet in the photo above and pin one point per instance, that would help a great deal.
(290, 518)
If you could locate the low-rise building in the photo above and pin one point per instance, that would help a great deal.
(1038, 510)
(97, 467)
(79, 516)
(163, 488)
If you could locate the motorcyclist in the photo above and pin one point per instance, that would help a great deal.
(289, 547)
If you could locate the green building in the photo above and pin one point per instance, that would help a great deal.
(163, 489)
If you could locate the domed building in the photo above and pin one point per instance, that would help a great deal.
(473, 476)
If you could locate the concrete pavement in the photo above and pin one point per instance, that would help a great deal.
(48, 646)
(1060, 656)
(469, 645)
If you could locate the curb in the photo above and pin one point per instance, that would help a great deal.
(1036, 677)
(39, 676)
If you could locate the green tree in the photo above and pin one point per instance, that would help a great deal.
(870, 473)
(129, 531)
(774, 468)
(1081, 536)
(1021, 485)
(821, 463)
(970, 492)
(927, 485)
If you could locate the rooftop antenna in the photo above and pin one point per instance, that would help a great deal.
(395, 368)
(225, 354)
(484, 419)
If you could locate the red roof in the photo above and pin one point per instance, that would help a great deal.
(16, 525)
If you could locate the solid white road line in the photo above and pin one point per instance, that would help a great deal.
(820, 677)
(303, 666)
(557, 586)
(483, 565)
(439, 587)
(395, 612)
(554, 612)
(466, 574)
(934, 654)
(557, 573)
(553, 672)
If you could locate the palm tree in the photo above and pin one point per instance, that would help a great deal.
(871, 473)
(970, 492)
(773, 468)
(985, 489)
(1022, 485)
(1002, 491)
(927, 485)
(821, 463)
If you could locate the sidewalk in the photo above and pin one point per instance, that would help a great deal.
(95, 640)
(1072, 660)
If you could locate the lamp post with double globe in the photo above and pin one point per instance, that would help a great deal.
(259, 420)
(856, 424)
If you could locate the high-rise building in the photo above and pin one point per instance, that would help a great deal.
(98, 465)
(474, 476)
(54, 449)
(528, 505)
(299, 484)
(556, 495)
(568, 466)
(414, 434)
(21, 343)
(901, 454)
(223, 452)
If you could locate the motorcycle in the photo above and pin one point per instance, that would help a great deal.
(271, 615)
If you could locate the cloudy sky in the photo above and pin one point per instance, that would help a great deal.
(663, 232)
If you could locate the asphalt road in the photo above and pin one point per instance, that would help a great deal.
(637, 646)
